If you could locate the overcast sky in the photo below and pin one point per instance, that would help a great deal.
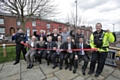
(92, 11)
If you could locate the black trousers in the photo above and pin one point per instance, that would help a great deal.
(61, 55)
(86, 60)
(38, 56)
(53, 58)
(47, 56)
(70, 57)
(101, 57)
(20, 48)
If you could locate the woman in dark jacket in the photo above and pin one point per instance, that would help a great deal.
(54, 35)
(41, 45)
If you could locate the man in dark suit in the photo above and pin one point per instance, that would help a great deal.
(68, 46)
(51, 49)
(81, 55)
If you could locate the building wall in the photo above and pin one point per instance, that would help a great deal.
(11, 22)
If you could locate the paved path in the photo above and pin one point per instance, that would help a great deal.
(8, 71)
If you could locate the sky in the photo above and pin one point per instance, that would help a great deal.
(106, 12)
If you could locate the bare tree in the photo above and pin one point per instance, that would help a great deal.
(25, 9)
(71, 18)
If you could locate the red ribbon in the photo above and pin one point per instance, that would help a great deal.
(88, 49)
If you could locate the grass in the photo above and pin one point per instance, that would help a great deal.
(10, 52)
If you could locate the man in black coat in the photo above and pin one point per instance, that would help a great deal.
(81, 55)
(68, 46)
(51, 49)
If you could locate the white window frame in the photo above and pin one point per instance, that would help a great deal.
(2, 30)
(33, 23)
(48, 26)
(1, 21)
(18, 23)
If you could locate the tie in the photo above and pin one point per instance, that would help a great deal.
(80, 50)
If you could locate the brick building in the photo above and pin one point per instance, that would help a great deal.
(9, 24)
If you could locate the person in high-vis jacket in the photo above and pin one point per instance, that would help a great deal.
(100, 39)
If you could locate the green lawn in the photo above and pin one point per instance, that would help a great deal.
(10, 51)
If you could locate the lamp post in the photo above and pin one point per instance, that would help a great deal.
(76, 13)
(75, 23)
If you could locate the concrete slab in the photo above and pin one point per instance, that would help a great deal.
(52, 78)
(107, 70)
(111, 78)
(13, 77)
(65, 74)
(79, 71)
(116, 73)
(49, 75)
(48, 69)
(79, 78)
(33, 74)
(95, 78)
(9, 69)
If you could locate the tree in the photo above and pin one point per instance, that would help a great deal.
(25, 9)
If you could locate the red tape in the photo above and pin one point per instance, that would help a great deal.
(88, 49)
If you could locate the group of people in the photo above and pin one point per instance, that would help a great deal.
(67, 47)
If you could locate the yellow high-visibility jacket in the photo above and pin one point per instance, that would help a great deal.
(108, 37)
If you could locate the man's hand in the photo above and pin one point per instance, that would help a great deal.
(69, 50)
(13, 34)
(54, 48)
(76, 56)
(61, 49)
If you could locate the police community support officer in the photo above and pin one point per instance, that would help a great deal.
(100, 39)
(19, 37)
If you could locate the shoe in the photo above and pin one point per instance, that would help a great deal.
(54, 66)
(97, 75)
(15, 63)
(28, 67)
(60, 67)
(48, 63)
(90, 72)
(66, 67)
(74, 71)
(70, 68)
(83, 72)
(31, 65)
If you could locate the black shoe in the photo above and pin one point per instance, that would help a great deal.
(54, 66)
(28, 67)
(97, 75)
(90, 72)
(31, 65)
(66, 67)
(74, 71)
(60, 67)
(83, 72)
(70, 68)
(48, 63)
(15, 63)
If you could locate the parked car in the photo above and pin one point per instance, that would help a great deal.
(1, 37)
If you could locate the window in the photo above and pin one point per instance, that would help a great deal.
(1, 21)
(2, 30)
(83, 32)
(33, 23)
(48, 26)
(60, 28)
(18, 23)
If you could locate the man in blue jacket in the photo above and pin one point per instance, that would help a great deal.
(19, 38)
